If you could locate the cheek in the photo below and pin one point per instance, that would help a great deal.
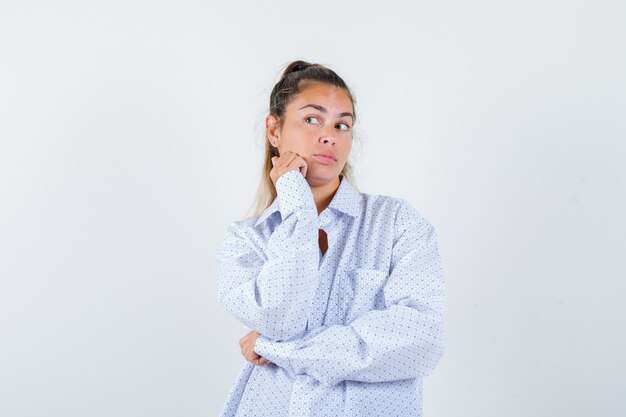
(345, 151)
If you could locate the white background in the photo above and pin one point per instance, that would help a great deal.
(131, 134)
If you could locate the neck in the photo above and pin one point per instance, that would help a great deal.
(323, 193)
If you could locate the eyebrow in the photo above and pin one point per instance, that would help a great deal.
(323, 110)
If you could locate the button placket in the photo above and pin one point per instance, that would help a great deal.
(316, 317)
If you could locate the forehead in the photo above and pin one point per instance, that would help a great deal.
(327, 95)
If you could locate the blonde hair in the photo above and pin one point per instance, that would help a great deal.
(287, 87)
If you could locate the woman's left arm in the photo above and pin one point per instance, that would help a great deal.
(405, 340)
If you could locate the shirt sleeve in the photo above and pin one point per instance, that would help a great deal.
(404, 340)
(269, 288)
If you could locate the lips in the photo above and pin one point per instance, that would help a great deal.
(326, 155)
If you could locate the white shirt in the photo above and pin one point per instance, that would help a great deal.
(350, 333)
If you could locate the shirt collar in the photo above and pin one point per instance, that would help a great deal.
(347, 200)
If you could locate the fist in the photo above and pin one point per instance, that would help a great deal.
(288, 161)
(247, 348)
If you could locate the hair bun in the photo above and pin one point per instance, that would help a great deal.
(297, 66)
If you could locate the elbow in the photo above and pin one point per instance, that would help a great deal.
(430, 352)
(277, 322)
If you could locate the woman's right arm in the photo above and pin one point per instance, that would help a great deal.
(270, 291)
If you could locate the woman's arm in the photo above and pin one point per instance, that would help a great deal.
(405, 340)
(270, 291)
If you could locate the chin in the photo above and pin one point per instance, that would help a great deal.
(325, 176)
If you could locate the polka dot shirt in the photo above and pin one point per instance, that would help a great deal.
(350, 332)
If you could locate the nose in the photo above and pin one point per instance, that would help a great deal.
(327, 139)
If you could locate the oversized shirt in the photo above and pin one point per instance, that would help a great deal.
(351, 332)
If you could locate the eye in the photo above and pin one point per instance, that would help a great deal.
(311, 117)
(347, 126)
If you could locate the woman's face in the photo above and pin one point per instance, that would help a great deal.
(317, 121)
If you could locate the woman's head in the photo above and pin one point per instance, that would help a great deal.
(312, 111)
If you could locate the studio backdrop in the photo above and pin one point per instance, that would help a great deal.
(131, 135)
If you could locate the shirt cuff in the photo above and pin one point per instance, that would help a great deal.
(276, 352)
(294, 193)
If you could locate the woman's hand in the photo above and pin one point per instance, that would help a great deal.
(288, 161)
(247, 348)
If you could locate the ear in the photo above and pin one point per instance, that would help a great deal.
(272, 129)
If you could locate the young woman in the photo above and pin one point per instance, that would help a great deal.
(343, 291)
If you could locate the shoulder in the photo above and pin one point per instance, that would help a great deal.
(398, 212)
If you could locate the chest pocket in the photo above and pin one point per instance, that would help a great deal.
(362, 291)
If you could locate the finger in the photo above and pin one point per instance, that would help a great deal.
(251, 355)
(244, 340)
(274, 158)
(247, 352)
(300, 162)
(291, 159)
(259, 361)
